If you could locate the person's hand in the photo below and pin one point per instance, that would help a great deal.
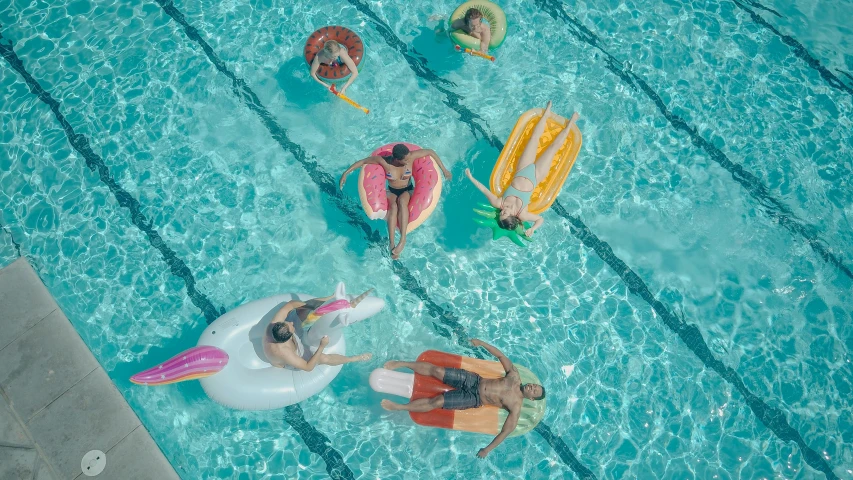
(475, 342)
(447, 174)
(483, 453)
(468, 173)
(529, 232)
(324, 341)
(343, 181)
(341, 91)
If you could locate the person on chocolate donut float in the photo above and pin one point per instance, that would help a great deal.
(334, 54)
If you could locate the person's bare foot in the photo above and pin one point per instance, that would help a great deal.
(395, 253)
(389, 405)
(392, 364)
(363, 357)
(547, 108)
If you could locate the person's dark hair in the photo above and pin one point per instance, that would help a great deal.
(509, 223)
(280, 332)
(540, 397)
(472, 14)
(399, 151)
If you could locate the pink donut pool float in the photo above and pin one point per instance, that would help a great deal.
(374, 198)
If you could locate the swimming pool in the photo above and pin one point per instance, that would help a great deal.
(712, 191)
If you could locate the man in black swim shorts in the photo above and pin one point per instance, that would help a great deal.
(472, 391)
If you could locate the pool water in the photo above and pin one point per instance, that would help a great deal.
(687, 303)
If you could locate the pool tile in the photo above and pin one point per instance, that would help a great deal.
(24, 300)
(92, 415)
(43, 363)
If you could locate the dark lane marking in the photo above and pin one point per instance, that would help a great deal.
(96, 164)
(777, 210)
(773, 418)
(419, 65)
(318, 443)
(11, 236)
(759, 6)
(798, 49)
(563, 451)
(696, 344)
(324, 181)
(477, 126)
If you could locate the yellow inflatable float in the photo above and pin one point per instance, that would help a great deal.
(546, 191)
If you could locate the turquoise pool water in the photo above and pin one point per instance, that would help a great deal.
(687, 303)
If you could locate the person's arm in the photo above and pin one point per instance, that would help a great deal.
(296, 361)
(374, 160)
(315, 65)
(428, 151)
(282, 312)
(485, 38)
(493, 199)
(537, 222)
(508, 367)
(353, 68)
(509, 425)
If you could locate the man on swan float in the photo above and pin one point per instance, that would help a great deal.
(283, 338)
(472, 391)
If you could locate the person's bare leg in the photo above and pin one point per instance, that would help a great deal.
(419, 405)
(543, 163)
(391, 216)
(403, 218)
(528, 155)
(335, 359)
(421, 368)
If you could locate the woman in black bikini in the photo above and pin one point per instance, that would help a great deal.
(398, 173)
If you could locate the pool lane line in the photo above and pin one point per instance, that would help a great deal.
(316, 441)
(797, 48)
(418, 64)
(326, 184)
(324, 181)
(774, 208)
(563, 451)
(11, 236)
(97, 165)
(759, 6)
(771, 417)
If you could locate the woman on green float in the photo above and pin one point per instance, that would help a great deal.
(472, 24)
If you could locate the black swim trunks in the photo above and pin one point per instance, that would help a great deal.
(467, 393)
(399, 191)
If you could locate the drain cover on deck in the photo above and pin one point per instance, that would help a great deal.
(93, 463)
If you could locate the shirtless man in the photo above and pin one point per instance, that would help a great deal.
(472, 391)
(283, 345)
(398, 172)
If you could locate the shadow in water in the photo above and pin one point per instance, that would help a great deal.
(460, 232)
(437, 50)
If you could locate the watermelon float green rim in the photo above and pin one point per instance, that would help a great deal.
(493, 14)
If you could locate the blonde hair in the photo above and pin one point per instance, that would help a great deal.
(330, 46)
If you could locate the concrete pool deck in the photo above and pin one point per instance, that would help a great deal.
(56, 402)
